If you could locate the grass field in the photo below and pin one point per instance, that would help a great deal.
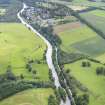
(18, 45)
(29, 97)
(87, 76)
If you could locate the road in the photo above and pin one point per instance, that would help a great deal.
(48, 53)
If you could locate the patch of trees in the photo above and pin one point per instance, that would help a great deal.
(65, 58)
(41, 84)
(57, 96)
(9, 88)
(52, 100)
(50, 36)
(62, 93)
(82, 99)
(86, 64)
(100, 71)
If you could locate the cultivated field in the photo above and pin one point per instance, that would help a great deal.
(29, 97)
(88, 77)
(18, 45)
(96, 18)
(79, 38)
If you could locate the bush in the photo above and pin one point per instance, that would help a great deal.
(52, 100)
(62, 94)
(82, 100)
(100, 71)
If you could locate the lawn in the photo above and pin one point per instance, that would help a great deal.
(29, 97)
(18, 45)
(87, 76)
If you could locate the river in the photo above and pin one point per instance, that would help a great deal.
(48, 53)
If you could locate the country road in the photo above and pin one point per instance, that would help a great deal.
(48, 53)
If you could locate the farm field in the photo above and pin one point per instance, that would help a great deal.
(80, 39)
(29, 97)
(87, 3)
(88, 77)
(18, 46)
(96, 18)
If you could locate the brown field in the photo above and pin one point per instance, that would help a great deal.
(64, 27)
(77, 8)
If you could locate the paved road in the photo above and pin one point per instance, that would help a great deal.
(48, 53)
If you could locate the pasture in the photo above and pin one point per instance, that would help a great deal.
(29, 97)
(88, 77)
(18, 45)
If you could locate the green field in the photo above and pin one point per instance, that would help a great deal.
(18, 45)
(93, 47)
(29, 97)
(82, 39)
(96, 18)
(97, 12)
(87, 76)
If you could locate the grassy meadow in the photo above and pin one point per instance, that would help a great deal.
(88, 77)
(29, 97)
(18, 45)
